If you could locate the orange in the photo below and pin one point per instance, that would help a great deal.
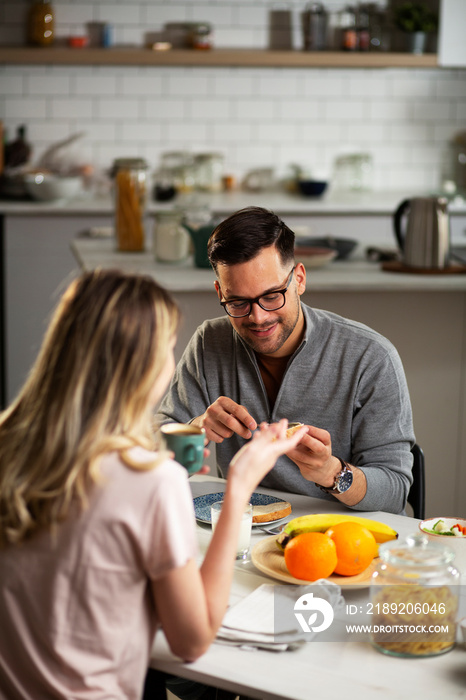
(310, 556)
(356, 547)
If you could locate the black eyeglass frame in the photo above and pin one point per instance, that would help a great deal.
(257, 299)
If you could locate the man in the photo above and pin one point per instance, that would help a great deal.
(272, 357)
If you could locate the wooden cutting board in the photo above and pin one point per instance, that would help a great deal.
(397, 266)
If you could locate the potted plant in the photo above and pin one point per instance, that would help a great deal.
(417, 20)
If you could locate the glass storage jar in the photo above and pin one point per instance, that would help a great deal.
(201, 35)
(314, 20)
(171, 240)
(353, 171)
(40, 23)
(178, 167)
(209, 171)
(130, 202)
(414, 598)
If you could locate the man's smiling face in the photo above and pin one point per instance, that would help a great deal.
(277, 332)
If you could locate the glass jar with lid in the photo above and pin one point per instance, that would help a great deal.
(414, 598)
(201, 35)
(130, 202)
(40, 23)
(178, 167)
(171, 241)
(353, 172)
(209, 171)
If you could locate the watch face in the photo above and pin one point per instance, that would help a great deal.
(345, 480)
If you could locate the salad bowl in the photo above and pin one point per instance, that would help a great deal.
(450, 532)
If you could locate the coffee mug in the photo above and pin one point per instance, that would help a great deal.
(187, 442)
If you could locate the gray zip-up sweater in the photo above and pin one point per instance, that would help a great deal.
(344, 377)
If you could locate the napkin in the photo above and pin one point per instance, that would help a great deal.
(254, 623)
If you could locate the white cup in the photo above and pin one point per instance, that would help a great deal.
(244, 540)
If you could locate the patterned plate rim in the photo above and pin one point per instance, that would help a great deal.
(213, 497)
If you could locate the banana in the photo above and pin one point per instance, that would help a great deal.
(320, 522)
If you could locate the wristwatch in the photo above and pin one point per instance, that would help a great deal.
(343, 480)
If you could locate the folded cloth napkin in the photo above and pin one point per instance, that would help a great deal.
(265, 619)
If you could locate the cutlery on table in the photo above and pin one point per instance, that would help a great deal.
(273, 530)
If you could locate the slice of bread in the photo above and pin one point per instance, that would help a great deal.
(272, 511)
(293, 428)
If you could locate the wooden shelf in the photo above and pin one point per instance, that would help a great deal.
(215, 57)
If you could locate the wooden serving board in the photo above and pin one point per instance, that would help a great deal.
(270, 560)
(397, 266)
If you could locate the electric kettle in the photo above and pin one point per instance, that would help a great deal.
(425, 240)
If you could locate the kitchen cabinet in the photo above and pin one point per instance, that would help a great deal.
(452, 34)
(38, 264)
(241, 58)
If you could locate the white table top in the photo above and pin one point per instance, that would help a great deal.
(325, 670)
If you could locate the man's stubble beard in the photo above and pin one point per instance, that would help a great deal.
(285, 332)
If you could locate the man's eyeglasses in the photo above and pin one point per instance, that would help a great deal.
(238, 308)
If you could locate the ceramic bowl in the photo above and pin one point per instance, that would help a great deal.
(312, 188)
(314, 257)
(457, 544)
(343, 246)
(48, 188)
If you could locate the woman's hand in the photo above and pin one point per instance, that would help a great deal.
(255, 459)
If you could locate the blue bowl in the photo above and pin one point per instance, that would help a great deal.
(312, 188)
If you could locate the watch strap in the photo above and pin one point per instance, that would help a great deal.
(345, 468)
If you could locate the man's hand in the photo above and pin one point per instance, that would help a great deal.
(224, 418)
(313, 456)
(258, 456)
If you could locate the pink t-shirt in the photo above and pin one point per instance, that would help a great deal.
(77, 616)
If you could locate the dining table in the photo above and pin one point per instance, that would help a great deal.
(351, 668)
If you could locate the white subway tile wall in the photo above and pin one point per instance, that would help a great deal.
(255, 117)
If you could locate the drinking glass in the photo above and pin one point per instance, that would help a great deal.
(244, 540)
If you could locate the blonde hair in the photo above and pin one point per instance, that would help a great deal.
(88, 393)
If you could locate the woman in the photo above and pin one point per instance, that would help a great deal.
(97, 531)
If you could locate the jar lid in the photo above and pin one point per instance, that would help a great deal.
(130, 163)
(168, 214)
(316, 8)
(200, 27)
(415, 551)
(209, 156)
(353, 158)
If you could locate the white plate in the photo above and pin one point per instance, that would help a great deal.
(314, 257)
(202, 506)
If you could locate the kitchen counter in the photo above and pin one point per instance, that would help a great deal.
(333, 203)
(355, 274)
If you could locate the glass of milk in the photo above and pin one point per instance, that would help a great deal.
(244, 539)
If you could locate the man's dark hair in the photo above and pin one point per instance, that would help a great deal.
(244, 234)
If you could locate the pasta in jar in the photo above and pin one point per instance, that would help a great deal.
(414, 598)
(130, 203)
(414, 620)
